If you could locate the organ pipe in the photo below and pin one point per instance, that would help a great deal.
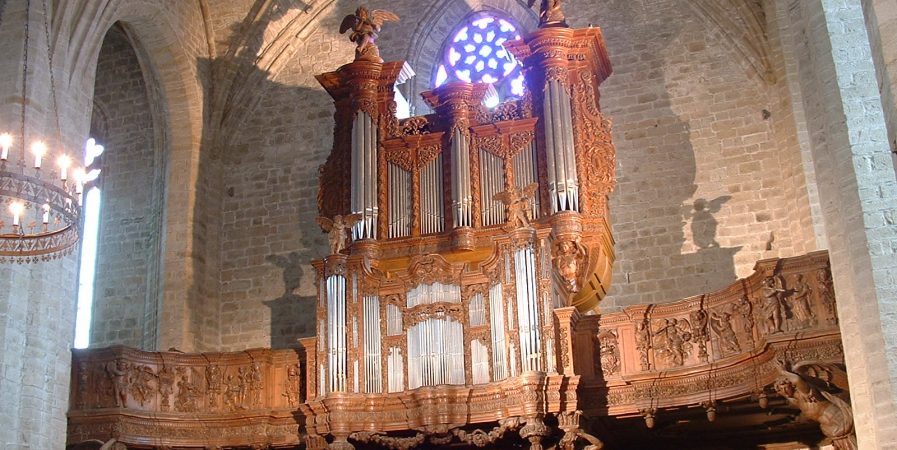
(563, 184)
(461, 195)
(336, 332)
(364, 176)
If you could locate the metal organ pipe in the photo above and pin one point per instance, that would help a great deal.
(561, 159)
(336, 332)
(364, 176)
(461, 182)
(527, 309)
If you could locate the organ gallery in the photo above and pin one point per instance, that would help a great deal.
(458, 305)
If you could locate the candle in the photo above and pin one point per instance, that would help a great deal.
(46, 213)
(38, 149)
(5, 144)
(64, 162)
(16, 209)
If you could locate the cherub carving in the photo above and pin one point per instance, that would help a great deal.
(821, 393)
(549, 12)
(517, 205)
(118, 373)
(365, 25)
(569, 260)
(338, 230)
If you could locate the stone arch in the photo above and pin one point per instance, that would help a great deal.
(170, 48)
(440, 19)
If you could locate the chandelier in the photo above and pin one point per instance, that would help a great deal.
(40, 187)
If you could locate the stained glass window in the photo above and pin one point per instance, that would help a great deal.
(474, 53)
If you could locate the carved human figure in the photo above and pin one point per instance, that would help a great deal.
(607, 352)
(518, 207)
(671, 341)
(166, 386)
(338, 230)
(643, 343)
(569, 258)
(118, 373)
(142, 383)
(722, 325)
(254, 378)
(821, 393)
(827, 293)
(291, 385)
(233, 393)
(365, 24)
(772, 305)
(550, 13)
(800, 302)
(188, 392)
(214, 382)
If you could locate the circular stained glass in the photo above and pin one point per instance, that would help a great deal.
(475, 54)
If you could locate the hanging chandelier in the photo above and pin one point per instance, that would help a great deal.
(40, 187)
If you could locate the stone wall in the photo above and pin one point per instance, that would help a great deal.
(126, 287)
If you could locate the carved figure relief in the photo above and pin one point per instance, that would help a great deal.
(188, 395)
(518, 208)
(773, 307)
(365, 25)
(142, 384)
(338, 230)
(569, 258)
(821, 393)
(166, 386)
(235, 391)
(643, 343)
(699, 332)
(291, 386)
(827, 294)
(721, 323)
(608, 352)
(799, 302)
(118, 374)
(671, 341)
(254, 376)
(215, 384)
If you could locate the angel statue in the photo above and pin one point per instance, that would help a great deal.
(550, 13)
(337, 230)
(365, 25)
(820, 391)
(517, 205)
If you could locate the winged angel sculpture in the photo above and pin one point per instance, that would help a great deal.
(550, 13)
(338, 230)
(365, 24)
(517, 205)
(820, 391)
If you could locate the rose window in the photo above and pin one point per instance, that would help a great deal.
(475, 54)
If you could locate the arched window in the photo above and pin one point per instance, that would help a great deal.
(91, 212)
(474, 53)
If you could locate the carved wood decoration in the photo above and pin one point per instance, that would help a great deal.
(470, 332)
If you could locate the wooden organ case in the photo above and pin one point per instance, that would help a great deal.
(477, 236)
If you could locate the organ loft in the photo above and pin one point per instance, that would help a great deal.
(469, 250)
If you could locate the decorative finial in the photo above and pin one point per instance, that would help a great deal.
(365, 25)
(550, 14)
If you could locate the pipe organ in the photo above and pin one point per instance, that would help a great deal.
(472, 229)
(479, 246)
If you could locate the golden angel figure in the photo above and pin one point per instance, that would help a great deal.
(517, 205)
(338, 230)
(365, 25)
(550, 13)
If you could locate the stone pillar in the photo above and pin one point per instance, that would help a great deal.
(37, 301)
(858, 192)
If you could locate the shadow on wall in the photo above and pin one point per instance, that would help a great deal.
(653, 204)
(267, 138)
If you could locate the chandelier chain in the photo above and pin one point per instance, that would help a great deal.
(25, 73)
(52, 76)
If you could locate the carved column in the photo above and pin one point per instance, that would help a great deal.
(363, 93)
(564, 68)
(456, 103)
(566, 319)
